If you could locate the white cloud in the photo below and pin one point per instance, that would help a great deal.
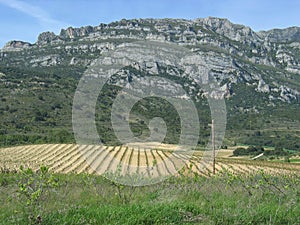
(41, 15)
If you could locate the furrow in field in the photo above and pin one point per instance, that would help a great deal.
(90, 152)
(166, 164)
(10, 151)
(18, 151)
(45, 151)
(245, 169)
(114, 162)
(229, 168)
(219, 167)
(57, 154)
(183, 163)
(125, 160)
(142, 158)
(138, 155)
(58, 162)
(75, 160)
(144, 162)
(198, 168)
(171, 162)
(93, 157)
(25, 160)
(26, 154)
(36, 151)
(156, 168)
(98, 165)
(130, 167)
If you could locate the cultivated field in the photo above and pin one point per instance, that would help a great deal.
(163, 160)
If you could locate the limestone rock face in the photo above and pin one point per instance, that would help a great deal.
(291, 34)
(16, 46)
(226, 28)
(75, 32)
(234, 53)
(46, 37)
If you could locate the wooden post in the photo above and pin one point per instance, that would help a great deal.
(213, 145)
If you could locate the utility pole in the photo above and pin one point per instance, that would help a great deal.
(213, 145)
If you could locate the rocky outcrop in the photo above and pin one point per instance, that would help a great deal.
(16, 46)
(46, 38)
(262, 86)
(49, 60)
(71, 33)
(291, 34)
(226, 28)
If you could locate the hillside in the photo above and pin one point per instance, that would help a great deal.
(258, 72)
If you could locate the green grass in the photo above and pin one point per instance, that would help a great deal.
(295, 160)
(224, 199)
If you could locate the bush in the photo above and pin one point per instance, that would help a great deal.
(276, 152)
(251, 150)
(240, 151)
(32, 187)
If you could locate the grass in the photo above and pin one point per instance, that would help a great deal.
(295, 160)
(222, 199)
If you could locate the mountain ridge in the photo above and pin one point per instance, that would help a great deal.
(258, 72)
(85, 30)
(257, 47)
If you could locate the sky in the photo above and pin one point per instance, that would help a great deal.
(26, 19)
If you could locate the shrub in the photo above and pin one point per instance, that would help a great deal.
(32, 187)
(251, 150)
(240, 151)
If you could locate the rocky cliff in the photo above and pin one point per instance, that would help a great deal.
(227, 48)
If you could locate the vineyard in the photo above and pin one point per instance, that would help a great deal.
(91, 159)
(68, 190)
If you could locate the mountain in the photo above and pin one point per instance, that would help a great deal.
(258, 72)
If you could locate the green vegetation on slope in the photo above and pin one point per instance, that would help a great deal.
(36, 107)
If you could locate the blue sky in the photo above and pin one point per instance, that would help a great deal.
(25, 19)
